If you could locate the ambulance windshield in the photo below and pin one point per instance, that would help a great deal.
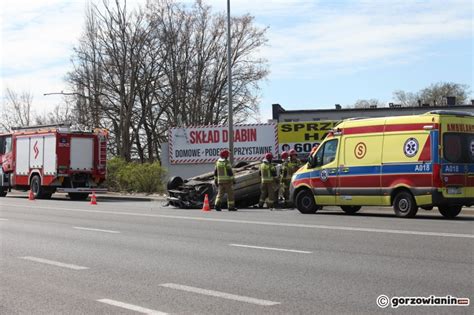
(458, 147)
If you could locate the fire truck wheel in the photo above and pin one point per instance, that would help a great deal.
(350, 209)
(78, 196)
(449, 212)
(305, 202)
(35, 186)
(3, 192)
(405, 205)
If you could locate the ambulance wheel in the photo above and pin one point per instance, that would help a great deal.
(350, 209)
(449, 212)
(3, 192)
(305, 202)
(36, 188)
(405, 205)
(78, 196)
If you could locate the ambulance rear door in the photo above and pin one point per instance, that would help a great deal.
(457, 168)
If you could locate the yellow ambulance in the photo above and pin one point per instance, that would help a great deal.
(406, 162)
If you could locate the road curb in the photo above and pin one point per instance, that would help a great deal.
(131, 198)
(107, 196)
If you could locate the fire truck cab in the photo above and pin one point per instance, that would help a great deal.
(53, 158)
(408, 162)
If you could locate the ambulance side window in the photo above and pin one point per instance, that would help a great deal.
(326, 154)
(470, 147)
(330, 150)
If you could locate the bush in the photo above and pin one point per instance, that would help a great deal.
(134, 176)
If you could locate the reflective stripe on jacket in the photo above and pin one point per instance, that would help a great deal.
(285, 171)
(267, 171)
(224, 171)
(293, 166)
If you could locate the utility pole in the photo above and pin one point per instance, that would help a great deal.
(229, 79)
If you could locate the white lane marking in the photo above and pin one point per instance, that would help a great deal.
(223, 295)
(95, 230)
(310, 226)
(272, 248)
(54, 263)
(131, 307)
(2, 219)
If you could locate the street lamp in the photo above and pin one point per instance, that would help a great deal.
(63, 93)
(229, 75)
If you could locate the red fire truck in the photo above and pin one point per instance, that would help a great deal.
(53, 158)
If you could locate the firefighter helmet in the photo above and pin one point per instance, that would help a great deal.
(284, 155)
(313, 149)
(292, 152)
(268, 156)
(224, 154)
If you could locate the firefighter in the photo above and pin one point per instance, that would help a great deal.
(268, 175)
(285, 179)
(294, 163)
(224, 180)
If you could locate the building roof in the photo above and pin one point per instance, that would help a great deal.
(277, 109)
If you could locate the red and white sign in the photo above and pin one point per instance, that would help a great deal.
(202, 144)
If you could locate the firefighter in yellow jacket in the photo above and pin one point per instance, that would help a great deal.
(294, 163)
(224, 180)
(288, 170)
(285, 179)
(268, 175)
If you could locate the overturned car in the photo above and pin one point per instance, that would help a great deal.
(190, 193)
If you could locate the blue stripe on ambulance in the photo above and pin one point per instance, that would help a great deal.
(409, 168)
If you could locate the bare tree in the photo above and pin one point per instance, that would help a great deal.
(435, 94)
(368, 103)
(16, 109)
(140, 72)
(406, 99)
(63, 113)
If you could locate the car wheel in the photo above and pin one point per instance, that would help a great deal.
(78, 196)
(174, 183)
(449, 212)
(305, 202)
(404, 205)
(350, 209)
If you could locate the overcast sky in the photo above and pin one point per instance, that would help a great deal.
(320, 52)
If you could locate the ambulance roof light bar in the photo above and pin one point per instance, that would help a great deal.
(450, 112)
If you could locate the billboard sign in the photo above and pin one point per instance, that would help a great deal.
(202, 144)
(302, 136)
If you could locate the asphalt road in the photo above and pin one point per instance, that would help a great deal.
(129, 257)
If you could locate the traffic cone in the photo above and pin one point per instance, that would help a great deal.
(93, 199)
(31, 196)
(205, 206)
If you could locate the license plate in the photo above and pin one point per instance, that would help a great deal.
(454, 190)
